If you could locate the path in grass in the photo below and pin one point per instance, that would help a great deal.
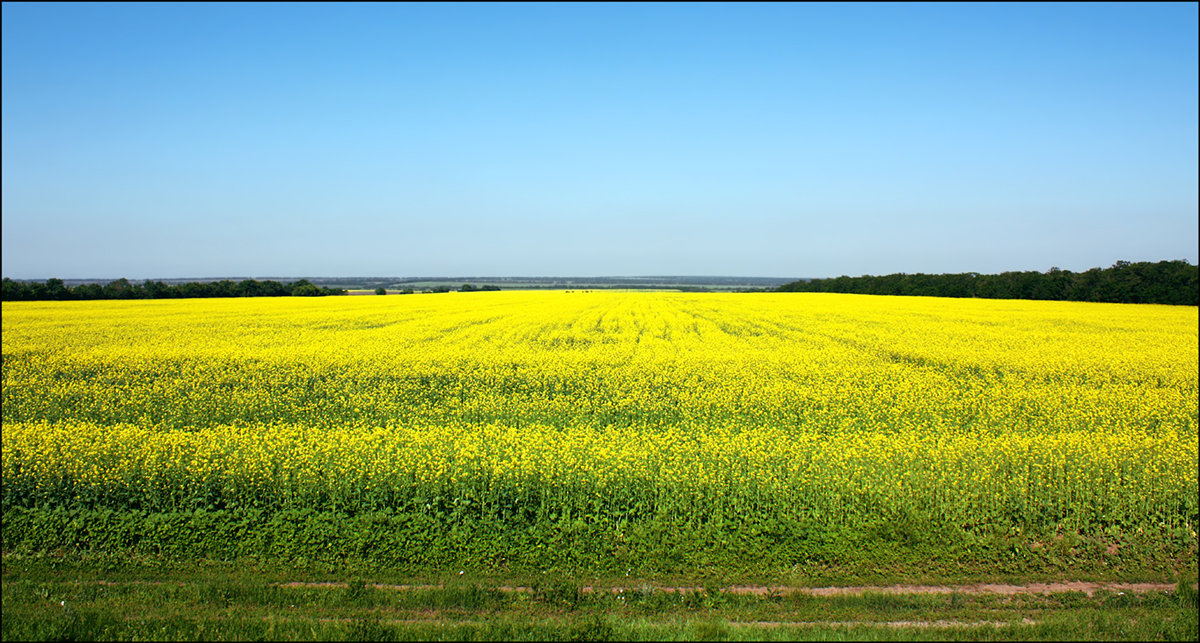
(1086, 587)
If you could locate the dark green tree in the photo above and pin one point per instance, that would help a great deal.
(89, 291)
(1165, 282)
(304, 288)
(55, 289)
(118, 289)
(14, 290)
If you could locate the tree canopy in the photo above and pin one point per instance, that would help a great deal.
(56, 289)
(1164, 282)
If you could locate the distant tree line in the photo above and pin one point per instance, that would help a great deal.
(55, 289)
(1165, 282)
(484, 288)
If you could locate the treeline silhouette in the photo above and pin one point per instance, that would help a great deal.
(55, 289)
(1144, 282)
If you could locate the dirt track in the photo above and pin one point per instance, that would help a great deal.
(1088, 588)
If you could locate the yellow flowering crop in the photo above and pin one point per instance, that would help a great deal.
(819, 406)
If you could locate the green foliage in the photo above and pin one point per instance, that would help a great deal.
(359, 594)
(418, 541)
(592, 628)
(557, 593)
(55, 289)
(1186, 594)
(1164, 282)
(303, 288)
(370, 629)
(711, 630)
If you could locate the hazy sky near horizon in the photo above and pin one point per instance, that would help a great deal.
(783, 140)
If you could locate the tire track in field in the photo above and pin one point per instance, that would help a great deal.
(1086, 587)
(914, 624)
(938, 624)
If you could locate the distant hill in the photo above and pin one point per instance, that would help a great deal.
(683, 283)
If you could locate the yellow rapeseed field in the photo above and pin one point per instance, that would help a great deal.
(846, 409)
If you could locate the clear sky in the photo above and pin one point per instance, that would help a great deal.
(782, 140)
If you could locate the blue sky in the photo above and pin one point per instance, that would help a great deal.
(784, 140)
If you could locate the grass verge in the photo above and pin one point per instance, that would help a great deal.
(78, 601)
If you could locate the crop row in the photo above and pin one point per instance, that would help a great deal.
(900, 419)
